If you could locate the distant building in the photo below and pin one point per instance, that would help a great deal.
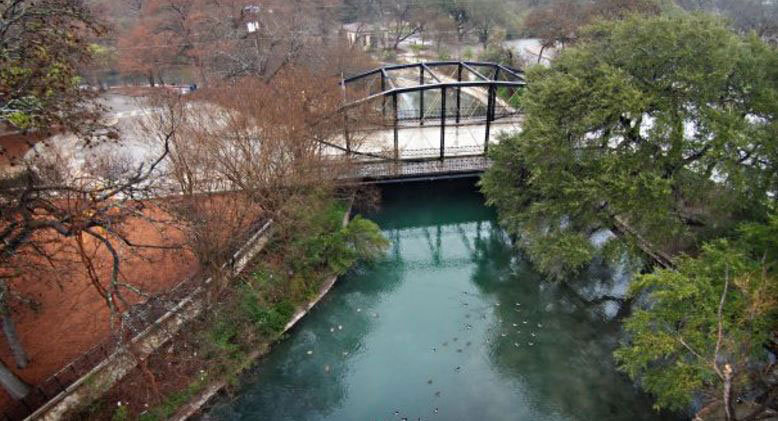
(365, 35)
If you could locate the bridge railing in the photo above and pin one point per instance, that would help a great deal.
(430, 114)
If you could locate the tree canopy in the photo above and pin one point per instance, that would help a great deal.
(655, 138)
(661, 130)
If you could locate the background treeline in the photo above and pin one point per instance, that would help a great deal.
(176, 41)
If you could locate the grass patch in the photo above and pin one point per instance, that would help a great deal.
(173, 402)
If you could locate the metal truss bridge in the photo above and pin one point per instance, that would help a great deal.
(428, 120)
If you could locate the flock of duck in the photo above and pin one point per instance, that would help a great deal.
(504, 332)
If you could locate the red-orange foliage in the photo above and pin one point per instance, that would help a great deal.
(227, 39)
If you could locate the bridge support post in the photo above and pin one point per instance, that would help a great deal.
(490, 104)
(442, 123)
(396, 129)
(459, 91)
(421, 95)
(346, 134)
(383, 89)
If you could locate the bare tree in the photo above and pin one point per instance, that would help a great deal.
(485, 18)
(45, 204)
(267, 143)
(51, 207)
(442, 29)
(557, 24)
(399, 19)
(753, 15)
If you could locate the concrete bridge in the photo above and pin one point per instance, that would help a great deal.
(428, 120)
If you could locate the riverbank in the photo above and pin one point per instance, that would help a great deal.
(245, 317)
(202, 399)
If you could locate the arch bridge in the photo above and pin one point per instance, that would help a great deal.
(428, 119)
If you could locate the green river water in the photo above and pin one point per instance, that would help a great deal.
(451, 325)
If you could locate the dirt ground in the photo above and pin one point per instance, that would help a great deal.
(71, 317)
(14, 145)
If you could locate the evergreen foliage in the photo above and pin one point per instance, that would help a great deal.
(714, 313)
(660, 129)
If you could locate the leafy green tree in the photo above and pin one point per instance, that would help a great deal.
(661, 130)
(704, 331)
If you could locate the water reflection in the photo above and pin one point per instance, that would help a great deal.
(452, 325)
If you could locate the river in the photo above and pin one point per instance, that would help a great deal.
(453, 324)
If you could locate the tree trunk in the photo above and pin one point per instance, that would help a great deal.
(460, 32)
(203, 76)
(9, 329)
(619, 227)
(729, 408)
(12, 338)
(540, 55)
(12, 384)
